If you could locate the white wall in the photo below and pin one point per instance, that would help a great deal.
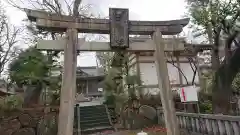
(188, 72)
(149, 74)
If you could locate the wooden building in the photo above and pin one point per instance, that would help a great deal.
(183, 68)
(89, 81)
(3, 89)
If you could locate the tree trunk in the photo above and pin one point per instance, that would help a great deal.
(222, 83)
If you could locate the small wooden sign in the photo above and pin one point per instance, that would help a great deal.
(119, 34)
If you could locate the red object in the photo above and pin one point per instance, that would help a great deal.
(183, 94)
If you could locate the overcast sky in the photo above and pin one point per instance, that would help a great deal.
(139, 10)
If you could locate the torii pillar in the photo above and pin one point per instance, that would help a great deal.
(68, 89)
(164, 86)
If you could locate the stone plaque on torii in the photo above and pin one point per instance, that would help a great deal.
(119, 27)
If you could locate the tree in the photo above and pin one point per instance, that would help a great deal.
(30, 68)
(72, 7)
(236, 83)
(216, 19)
(120, 86)
(8, 40)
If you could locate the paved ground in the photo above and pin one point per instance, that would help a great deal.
(155, 130)
(133, 133)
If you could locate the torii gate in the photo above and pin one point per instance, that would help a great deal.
(119, 27)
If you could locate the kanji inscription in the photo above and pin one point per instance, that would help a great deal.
(119, 35)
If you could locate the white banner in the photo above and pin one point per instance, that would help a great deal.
(189, 94)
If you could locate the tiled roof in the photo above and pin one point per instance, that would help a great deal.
(90, 71)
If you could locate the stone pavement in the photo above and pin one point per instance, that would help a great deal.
(127, 132)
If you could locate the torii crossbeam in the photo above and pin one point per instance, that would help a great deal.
(119, 27)
(170, 45)
(60, 23)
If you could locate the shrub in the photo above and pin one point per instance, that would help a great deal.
(12, 102)
(205, 107)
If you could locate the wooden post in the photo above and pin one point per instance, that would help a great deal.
(181, 80)
(87, 88)
(68, 91)
(199, 79)
(78, 120)
(138, 69)
(164, 86)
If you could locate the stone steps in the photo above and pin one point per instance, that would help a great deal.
(93, 119)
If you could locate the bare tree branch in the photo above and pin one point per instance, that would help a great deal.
(8, 40)
(193, 67)
(76, 7)
(179, 69)
(68, 5)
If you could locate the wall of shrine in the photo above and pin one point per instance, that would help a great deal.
(148, 74)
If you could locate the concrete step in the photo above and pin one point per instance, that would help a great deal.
(93, 119)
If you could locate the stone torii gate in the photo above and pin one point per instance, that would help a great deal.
(119, 27)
